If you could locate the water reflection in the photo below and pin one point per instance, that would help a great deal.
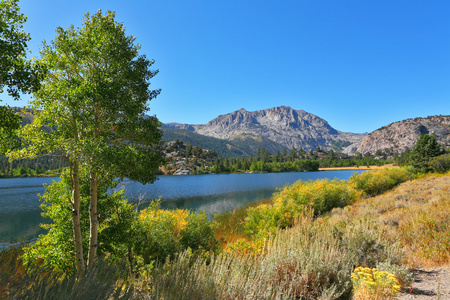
(213, 204)
(20, 213)
(20, 226)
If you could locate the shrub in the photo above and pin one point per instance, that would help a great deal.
(374, 284)
(321, 195)
(163, 233)
(103, 281)
(440, 164)
(404, 276)
(373, 183)
(311, 260)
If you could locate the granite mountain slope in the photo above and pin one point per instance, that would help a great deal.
(399, 136)
(282, 125)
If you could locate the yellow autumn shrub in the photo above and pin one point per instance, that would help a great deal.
(372, 284)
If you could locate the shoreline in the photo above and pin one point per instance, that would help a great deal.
(358, 168)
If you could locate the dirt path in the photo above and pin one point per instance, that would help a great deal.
(430, 284)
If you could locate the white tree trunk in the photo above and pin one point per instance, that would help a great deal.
(93, 218)
(78, 240)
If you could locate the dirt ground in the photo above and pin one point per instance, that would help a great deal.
(429, 284)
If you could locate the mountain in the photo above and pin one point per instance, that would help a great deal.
(239, 146)
(281, 125)
(399, 136)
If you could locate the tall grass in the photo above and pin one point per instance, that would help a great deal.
(312, 260)
(417, 214)
(103, 281)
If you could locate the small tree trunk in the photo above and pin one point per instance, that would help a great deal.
(78, 241)
(93, 218)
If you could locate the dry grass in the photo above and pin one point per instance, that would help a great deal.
(357, 168)
(312, 260)
(416, 213)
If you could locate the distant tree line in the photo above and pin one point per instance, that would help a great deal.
(31, 167)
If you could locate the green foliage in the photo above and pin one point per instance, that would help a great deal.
(440, 164)
(16, 72)
(10, 123)
(33, 167)
(321, 195)
(101, 119)
(425, 148)
(54, 250)
(379, 181)
(404, 276)
(164, 233)
(90, 110)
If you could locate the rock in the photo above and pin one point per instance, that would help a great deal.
(399, 136)
(183, 171)
(283, 125)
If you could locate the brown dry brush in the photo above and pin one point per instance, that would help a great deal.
(103, 281)
(312, 260)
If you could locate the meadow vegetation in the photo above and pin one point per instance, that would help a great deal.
(324, 239)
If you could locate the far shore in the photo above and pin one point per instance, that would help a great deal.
(358, 168)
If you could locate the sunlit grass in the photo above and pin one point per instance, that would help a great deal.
(313, 257)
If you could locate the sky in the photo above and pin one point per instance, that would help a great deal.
(359, 65)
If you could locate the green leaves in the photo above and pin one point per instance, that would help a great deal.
(425, 148)
(90, 110)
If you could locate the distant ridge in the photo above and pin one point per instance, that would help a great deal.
(399, 136)
(282, 125)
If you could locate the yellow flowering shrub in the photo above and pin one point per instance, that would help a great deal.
(288, 204)
(373, 183)
(372, 284)
(243, 246)
(164, 233)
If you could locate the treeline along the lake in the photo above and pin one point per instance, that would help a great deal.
(195, 160)
(31, 167)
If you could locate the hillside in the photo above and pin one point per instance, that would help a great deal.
(243, 145)
(282, 125)
(399, 136)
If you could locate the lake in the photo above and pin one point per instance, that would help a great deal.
(20, 213)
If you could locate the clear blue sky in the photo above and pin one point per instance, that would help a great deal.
(358, 64)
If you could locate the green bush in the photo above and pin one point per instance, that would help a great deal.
(440, 164)
(321, 195)
(373, 183)
(163, 233)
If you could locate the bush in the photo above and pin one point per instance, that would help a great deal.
(440, 164)
(321, 195)
(374, 284)
(404, 276)
(163, 233)
(311, 260)
(373, 183)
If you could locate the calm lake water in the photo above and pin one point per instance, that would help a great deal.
(20, 213)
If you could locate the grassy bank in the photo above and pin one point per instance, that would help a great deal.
(306, 242)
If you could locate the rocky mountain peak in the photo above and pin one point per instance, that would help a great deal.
(283, 125)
